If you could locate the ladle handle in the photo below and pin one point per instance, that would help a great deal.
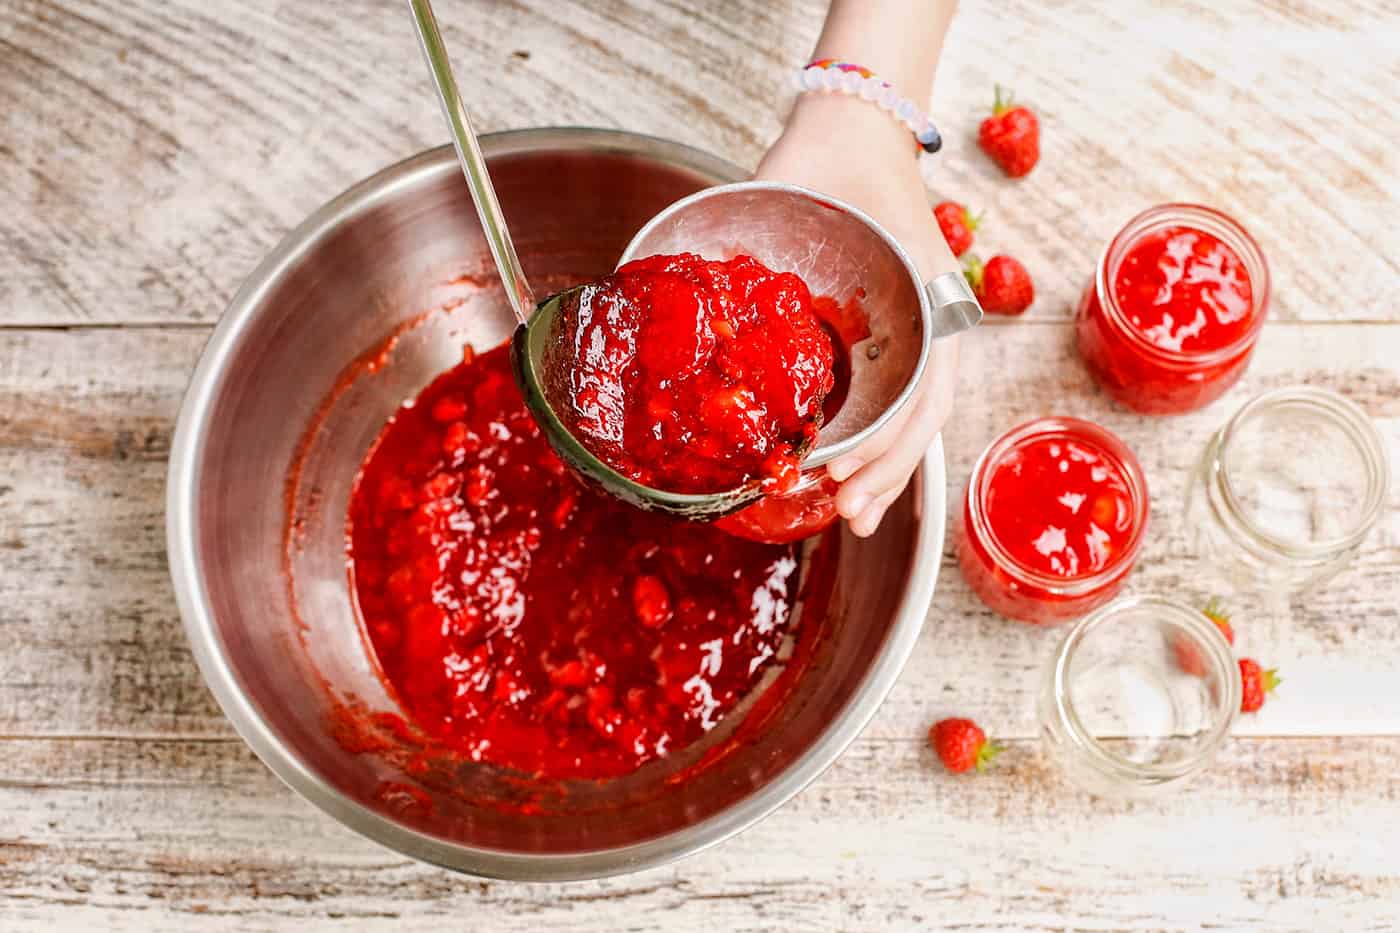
(488, 209)
(953, 308)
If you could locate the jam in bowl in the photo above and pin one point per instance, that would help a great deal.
(359, 310)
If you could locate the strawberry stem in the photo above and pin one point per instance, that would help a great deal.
(1271, 680)
(972, 269)
(972, 220)
(986, 753)
(1215, 609)
(1002, 103)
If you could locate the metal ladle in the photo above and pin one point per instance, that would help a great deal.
(836, 249)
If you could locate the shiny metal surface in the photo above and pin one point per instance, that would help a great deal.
(840, 252)
(459, 123)
(953, 306)
(272, 627)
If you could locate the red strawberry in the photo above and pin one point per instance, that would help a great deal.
(652, 601)
(957, 224)
(961, 745)
(1257, 684)
(1002, 285)
(1011, 136)
(1188, 658)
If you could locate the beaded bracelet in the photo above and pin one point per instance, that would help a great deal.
(830, 74)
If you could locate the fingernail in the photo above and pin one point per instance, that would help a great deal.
(856, 506)
(863, 527)
(869, 520)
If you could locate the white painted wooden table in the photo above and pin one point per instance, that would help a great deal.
(152, 151)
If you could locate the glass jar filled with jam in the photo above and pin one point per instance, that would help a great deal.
(1053, 520)
(1171, 317)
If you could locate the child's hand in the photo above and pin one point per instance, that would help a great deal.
(846, 148)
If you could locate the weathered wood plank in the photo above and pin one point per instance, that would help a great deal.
(152, 152)
(95, 645)
(158, 150)
(177, 834)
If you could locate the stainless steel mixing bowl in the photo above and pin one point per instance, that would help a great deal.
(313, 354)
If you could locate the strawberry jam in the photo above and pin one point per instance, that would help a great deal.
(528, 622)
(1053, 518)
(693, 376)
(1172, 316)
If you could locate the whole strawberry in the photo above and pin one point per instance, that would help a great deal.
(1002, 285)
(961, 745)
(1257, 684)
(1011, 136)
(957, 225)
(1188, 656)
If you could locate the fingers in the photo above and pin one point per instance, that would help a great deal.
(939, 383)
(864, 524)
(860, 496)
(884, 468)
(841, 468)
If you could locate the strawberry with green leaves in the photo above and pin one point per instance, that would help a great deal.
(1010, 136)
(961, 745)
(1257, 683)
(1188, 656)
(957, 224)
(1002, 284)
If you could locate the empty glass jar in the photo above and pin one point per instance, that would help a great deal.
(1138, 698)
(1285, 492)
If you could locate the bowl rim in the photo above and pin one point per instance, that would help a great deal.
(211, 654)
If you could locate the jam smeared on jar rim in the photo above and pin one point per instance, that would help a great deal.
(692, 375)
(1184, 290)
(525, 621)
(1059, 505)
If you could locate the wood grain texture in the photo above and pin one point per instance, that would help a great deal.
(152, 152)
(165, 147)
(172, 834)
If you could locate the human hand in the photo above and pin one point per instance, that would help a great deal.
(881, 177)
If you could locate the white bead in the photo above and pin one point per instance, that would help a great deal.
(870, 88)
(906, 110)
(888, 99)
(812, 79)
(831, 79)
(850, 82)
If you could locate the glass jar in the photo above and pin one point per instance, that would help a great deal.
(1147, 376)
(1026, 593)
(1286, 490)
(807, 509)
(1138, 698)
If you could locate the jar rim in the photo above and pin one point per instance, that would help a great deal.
(1051, 426)
(1219, 655)
(1218, 224)
(1358, 428)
